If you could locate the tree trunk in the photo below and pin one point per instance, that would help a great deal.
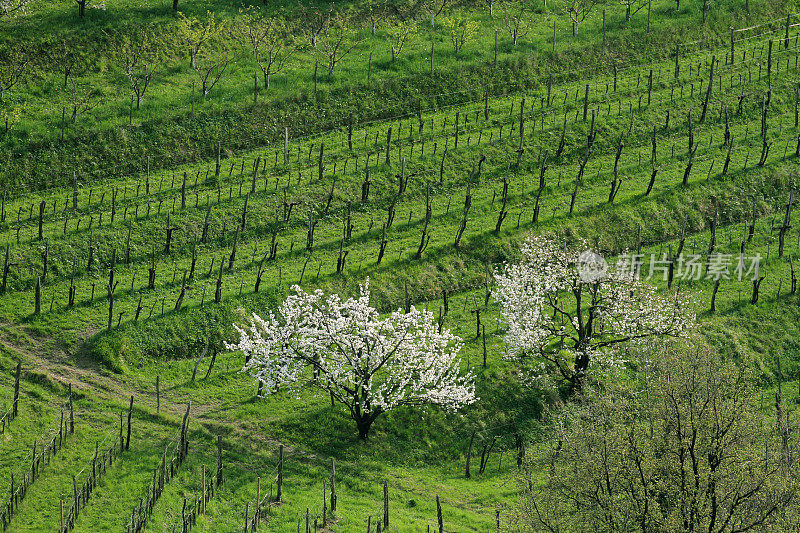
(363, 424)
(364, 421)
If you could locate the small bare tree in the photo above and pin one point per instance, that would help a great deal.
(14, 64)
(211, 62)
(313, 22)
(270, 39)
(81, 97)
(67, 57)
(461, 29)
(435, 8)
(516, 20)
(399, 33)
(136, 53)
(196, 35)
(632, 7)
(10, 114)
(336, 39)
(97, 4)
(375, 11)
(577, 11)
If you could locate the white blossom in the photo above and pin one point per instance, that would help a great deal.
(10, 8)
(370, 364)
(570, 321)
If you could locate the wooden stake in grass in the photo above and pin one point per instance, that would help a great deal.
(769, 66)
(385, 505)
(391, 210)
(279, 482)
(582, 166)
(169, 229)
(501, 216)
(428, 212)
(787, 218)
(382, 244)
(232, 257)
(42, 206)
(692, 149)
(333, 485)
(756, 286)
(713, 232)
(467, 473)
(182, 294)
(388, 145)
(714, 297)
(708, 91)
(71, 409)
(540, 190)
(254, 176)
(727, 157)
(218, 290)
(439, 515)
(15, 404)
(130, 413)
(37, 296)
(464, 217)
(7, 265)
(765, 144)
(616, 183)
(340, 261)
(243, 222)
(312, 224)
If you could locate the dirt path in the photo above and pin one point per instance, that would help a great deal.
(42, 355)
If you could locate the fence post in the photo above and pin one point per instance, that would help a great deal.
(279, 491)
(130, 412)
(219, 460)
(71, 412)
(286, 146)
(203, 506)
(733, 34)
(385, 505)
(333, 485)
(786, 39)
(439, 514)
(16, 388)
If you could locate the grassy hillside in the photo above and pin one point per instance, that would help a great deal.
(225, 204)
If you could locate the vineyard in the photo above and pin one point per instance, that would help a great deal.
(123, 276)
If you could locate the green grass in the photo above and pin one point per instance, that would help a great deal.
(164, 130)
(420, 453)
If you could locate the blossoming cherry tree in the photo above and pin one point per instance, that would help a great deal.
(367, 363)
(568, 309)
